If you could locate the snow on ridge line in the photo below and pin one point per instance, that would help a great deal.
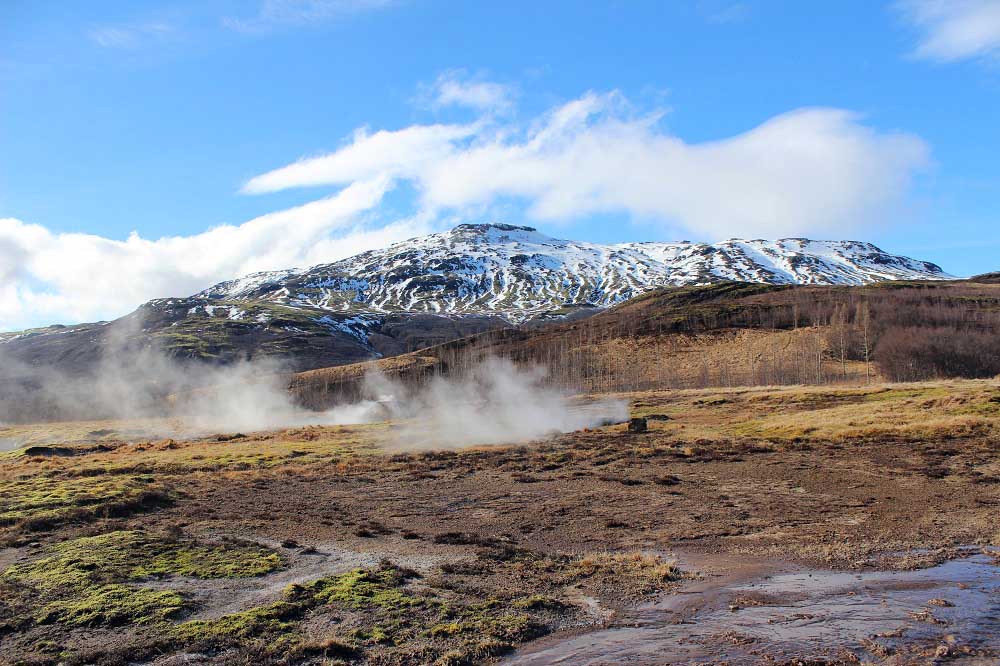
(520, 273)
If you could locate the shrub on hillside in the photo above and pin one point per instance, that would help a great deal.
(915, 353)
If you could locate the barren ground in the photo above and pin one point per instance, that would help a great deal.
(319, 545)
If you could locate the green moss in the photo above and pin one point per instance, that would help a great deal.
(276, 618)
(989, 408)
(510, 627)
(445, 629)
(201, 561)
(397, 617)
(507, 628)
(364, 588)
(386, 616)
(379, 635)
(361, 589)
(112, 604)
(39, 501)
(84, 581)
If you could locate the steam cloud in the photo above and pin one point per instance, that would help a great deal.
(493, 402)
(145, 384)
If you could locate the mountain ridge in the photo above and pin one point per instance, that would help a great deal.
(519, 273)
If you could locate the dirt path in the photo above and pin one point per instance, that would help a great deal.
(217, 597)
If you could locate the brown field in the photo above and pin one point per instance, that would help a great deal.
(322, 545)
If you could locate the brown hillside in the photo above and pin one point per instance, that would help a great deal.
(731, 334)
(987, 278)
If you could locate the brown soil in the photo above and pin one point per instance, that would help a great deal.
(849, 496)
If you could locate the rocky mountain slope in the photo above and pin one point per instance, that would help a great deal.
(518, 273)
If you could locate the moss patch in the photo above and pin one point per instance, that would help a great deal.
(38, 502)
(216, 561)
(84, 581)
(277, 618)
(383, 611)
(363, 588)
(112, 604)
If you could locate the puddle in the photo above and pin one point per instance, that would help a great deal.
(797, 613)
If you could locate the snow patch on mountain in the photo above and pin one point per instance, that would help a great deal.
(519, 273)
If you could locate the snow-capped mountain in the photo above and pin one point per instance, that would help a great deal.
(518, 273)
(428, 291)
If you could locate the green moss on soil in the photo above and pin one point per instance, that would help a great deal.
(364, 588)
(85, 581)
(433, 623)
(36, 502)
(276, 618)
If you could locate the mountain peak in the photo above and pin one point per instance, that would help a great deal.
(488, 226)
(519, 273)
(496, 233)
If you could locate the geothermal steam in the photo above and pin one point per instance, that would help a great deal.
(495, 402)
(492, 402)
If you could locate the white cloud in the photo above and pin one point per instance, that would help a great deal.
(455, 88)
(809, 171)
(955, 29)
(278, 13)
(400, 153)
(48, 276)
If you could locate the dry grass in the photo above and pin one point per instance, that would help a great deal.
(648, 567)
(925, 411)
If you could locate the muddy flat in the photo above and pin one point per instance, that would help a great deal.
(746, 526)
(738, 614)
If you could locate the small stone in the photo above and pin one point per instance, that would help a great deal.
(942, 603)
(637, 425)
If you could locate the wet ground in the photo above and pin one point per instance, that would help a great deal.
(747, 611)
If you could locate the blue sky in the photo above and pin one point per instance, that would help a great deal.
(150, 149)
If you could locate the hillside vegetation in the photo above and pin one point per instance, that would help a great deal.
(731, 334)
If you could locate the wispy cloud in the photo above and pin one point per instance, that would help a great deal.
(715, 11)
(393, 154)
(274, 14)
(953, 30)
(811, 170)
(131, 35)
(457, 88)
